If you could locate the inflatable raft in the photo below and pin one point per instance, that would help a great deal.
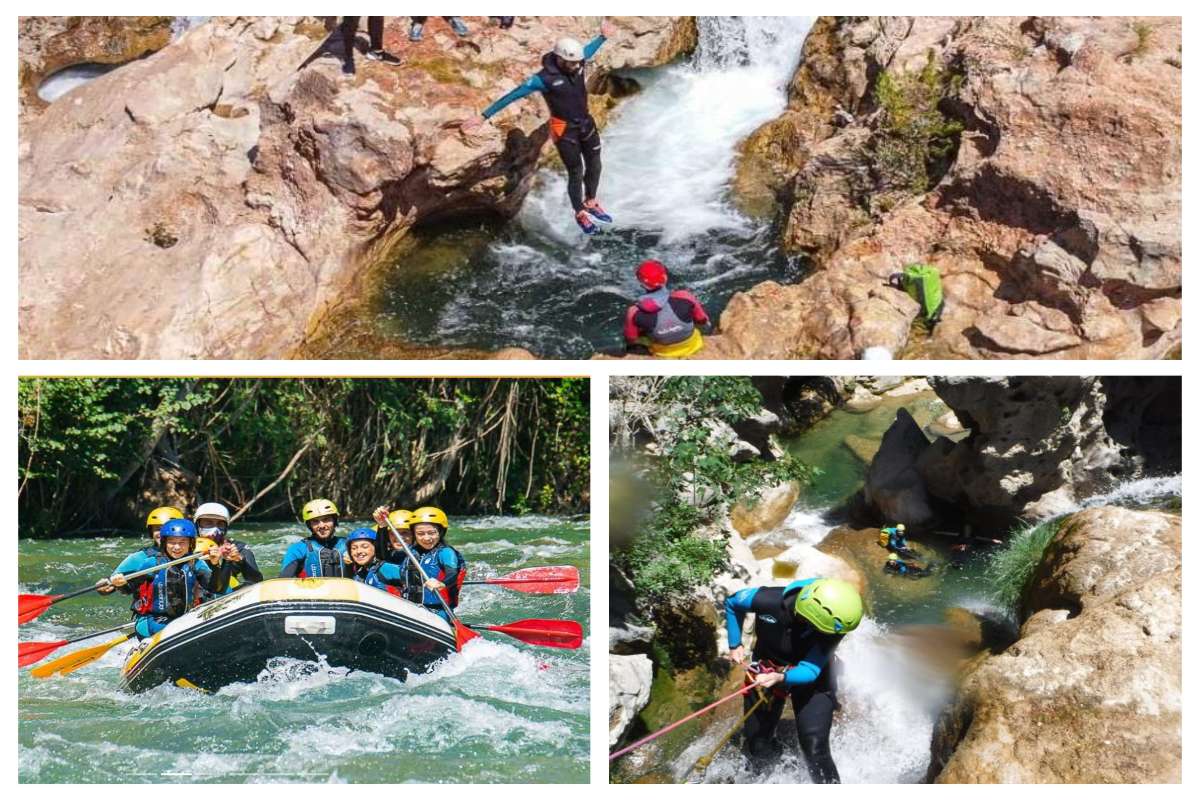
(231, 639)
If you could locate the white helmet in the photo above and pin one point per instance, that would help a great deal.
(212, 510)
(568, 49)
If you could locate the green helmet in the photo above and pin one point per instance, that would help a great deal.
(831, 605)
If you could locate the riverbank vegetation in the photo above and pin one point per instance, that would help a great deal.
(681, 427)
(96, 453)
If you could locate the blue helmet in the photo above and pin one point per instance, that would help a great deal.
(178, 527)
(361, 533)
(184, 528)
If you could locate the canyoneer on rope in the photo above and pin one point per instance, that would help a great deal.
(797, 629)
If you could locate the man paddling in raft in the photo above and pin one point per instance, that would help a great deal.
(664, 321)
(320, 555)
(562, 80)
(797, 628)
(168, 593)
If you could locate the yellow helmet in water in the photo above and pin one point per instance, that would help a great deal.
(429, 514)
(318, 508)
(162, 515)
(893, 557)
(831, 605)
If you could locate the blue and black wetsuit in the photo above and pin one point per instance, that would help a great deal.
(446, 565)
(380, 574)
(898, 542)
(907, 569)
(314, 558)
(571, 125)
(788, 641)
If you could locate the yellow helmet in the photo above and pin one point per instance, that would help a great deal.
(162, 515)
(429, 514)
(318, 508)
(893, 557)
(400, 518)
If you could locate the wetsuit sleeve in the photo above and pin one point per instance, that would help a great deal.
(391, 574)
(293, 560)
(132, 563)
(699, 315)
(809, 669)
(534, 84)
(591, 47)
(631, 328)
(736, 606)
(249, 567)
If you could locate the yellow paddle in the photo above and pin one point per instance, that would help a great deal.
(77, 658)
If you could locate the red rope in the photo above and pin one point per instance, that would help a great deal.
(674, 725)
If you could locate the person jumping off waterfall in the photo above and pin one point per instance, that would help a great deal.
(665, 322)
(562, 80)
(797, 628)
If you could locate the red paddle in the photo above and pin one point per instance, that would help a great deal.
(32, 606)
(536, 580)
(564, 633)
(32, 652)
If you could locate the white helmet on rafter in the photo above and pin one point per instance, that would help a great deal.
(568, 49)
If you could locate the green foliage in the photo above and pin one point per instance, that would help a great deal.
(90, 448)
(914, 140)
(1012, 567)
(695, 480)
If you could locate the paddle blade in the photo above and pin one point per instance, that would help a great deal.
(462, 635)
(32, 652)
(564, 633)
(31, 606)
(76, 659)
(541, 580)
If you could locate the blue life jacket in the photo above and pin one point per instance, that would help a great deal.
(169, 592)
(446, 565)
(314, 556)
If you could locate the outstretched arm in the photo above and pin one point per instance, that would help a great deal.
(591, 47)
(534, 84)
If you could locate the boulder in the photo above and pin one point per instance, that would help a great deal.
(1092, 691)
(767, 512)
(1037, 445)
(629, 679)
(894, 487)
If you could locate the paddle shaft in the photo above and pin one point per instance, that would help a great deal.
(424, 577)
(125, 627)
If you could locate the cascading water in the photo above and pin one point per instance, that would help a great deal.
(669, 158)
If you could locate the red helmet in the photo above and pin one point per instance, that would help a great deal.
(652, 275)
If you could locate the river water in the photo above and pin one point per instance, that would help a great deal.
(501, 711)
(890, 695)
(669, 157)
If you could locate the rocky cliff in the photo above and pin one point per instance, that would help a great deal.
(1092, 691)
(214, 201)
(1055, 221)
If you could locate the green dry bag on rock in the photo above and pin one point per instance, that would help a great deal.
(923, 283)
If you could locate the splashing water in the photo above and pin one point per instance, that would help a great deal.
(669, 158)
(500, 711)
(1139, 493)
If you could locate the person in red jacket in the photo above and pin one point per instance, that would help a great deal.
(666, 322)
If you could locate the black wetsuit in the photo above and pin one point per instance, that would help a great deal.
(571, 125)
(907, 569)
(787, 640)
(246, 570)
